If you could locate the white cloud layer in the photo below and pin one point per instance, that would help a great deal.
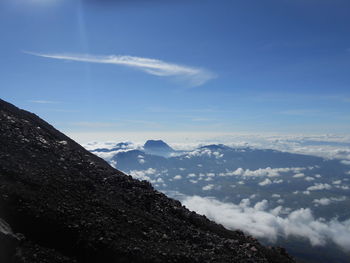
(261, 222)
(142, 174)
(319, 186)
(267, 181)
(328, 201)
(208, 187)
(204, 152)
(109, 155)
(268, 171)
(195, 76)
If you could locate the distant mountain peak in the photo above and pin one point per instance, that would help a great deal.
(156, 144)
(158, 147)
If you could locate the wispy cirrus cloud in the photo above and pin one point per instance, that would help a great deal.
(195, 76)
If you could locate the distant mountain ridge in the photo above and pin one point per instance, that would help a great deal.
(116, 147)
(71, 206)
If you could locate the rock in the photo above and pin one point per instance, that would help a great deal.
(9, 242)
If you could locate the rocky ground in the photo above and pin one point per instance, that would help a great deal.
(60, 203)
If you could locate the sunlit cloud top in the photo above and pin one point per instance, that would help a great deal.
(194, 76)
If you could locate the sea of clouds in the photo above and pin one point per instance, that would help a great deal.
(259, 219)
(262, 221)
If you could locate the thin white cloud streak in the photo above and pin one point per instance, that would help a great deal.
(195, 76)
(262, 222)
(44, 101)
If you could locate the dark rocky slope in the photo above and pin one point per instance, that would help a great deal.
(71, 206)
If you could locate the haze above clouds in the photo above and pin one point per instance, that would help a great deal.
(327, 146)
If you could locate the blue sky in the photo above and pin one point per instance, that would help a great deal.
(277, 66)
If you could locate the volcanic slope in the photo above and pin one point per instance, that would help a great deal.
(70, 206)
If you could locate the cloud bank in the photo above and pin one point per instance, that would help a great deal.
(262, 222)
(268, 171)
(195, 76)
